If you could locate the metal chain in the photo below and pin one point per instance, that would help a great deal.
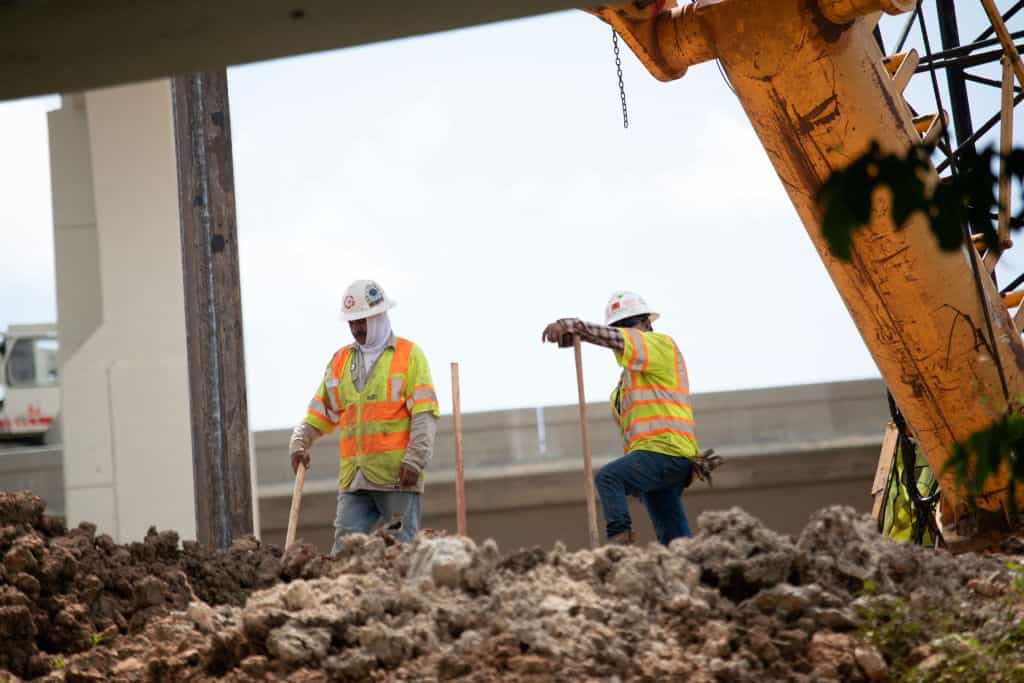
(618, 70)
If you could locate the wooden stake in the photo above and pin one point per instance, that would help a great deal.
(293, 516)
(460, 483)
(889, 440)
(588, 471)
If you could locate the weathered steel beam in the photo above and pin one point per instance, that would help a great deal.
(75, 45)
(213, 308)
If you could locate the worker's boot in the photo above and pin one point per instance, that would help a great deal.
(624, 538)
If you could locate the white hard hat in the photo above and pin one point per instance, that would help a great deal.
(623, 304)
(364, 299)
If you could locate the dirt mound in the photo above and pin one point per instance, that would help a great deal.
(737, 602)
(67, 591)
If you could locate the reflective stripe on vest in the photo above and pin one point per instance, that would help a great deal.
(374, 426)
(660, 414)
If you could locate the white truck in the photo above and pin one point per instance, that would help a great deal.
(29, 386)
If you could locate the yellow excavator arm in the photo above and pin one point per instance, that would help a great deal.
(819, 92)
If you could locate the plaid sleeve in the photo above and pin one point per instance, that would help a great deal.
(418, 392)
(323, 413)
(600, 335)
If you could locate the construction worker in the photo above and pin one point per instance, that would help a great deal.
(651, 405)
(378, 391)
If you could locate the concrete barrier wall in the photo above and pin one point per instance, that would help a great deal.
(790, 451)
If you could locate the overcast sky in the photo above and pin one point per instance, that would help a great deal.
(484, 178)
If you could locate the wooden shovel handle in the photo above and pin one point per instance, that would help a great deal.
(293, 516)
(588, 471)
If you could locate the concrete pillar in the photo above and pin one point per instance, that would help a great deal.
(125, 399)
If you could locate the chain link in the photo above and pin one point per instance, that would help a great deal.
(622, 87)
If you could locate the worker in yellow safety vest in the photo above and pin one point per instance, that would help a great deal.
(378, 393)
(651, 405)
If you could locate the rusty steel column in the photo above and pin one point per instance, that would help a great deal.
(213, 308)
(817, 95)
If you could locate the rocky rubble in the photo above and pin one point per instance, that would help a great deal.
(65, 591)
(737, 602)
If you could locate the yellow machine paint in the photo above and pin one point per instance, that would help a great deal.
(812, 81)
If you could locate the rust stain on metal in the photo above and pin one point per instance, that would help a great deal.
(829, 32)
(819, 115)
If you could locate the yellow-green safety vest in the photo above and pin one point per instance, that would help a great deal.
(898, 514)
(651, 403)
(374, 423)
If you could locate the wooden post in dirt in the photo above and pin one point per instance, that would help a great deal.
(213, 308)
(588, 472)
(460, 484)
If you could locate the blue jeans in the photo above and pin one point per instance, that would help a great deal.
(359, 512)
(658, 480)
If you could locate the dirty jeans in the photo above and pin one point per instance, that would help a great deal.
(359, 512)
(658, 480)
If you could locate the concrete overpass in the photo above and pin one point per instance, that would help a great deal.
(790, 451)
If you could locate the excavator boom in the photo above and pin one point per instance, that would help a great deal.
(812, 81)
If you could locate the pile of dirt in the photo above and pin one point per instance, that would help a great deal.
(737, 602)
(66, 591)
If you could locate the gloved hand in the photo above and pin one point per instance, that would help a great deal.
(299, 457)
(706, 463)
(408, 476)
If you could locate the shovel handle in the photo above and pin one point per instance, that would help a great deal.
(588, 471)
(293, 516)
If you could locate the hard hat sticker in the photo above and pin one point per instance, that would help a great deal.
(350, 301)
(373, 295)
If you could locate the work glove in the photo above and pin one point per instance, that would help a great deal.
(408, 476)
(299, 457)
(303, 437)
(706, 463)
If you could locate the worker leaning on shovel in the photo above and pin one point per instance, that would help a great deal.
(651, 405)
(379, 393)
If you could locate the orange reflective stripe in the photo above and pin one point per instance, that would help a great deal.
(348, 446)
(379, 411)
(654, 432)
(630, 405)
(338, 362)
(400, 359)
(679, 364)
(670, 418)
(379, 443)
(422, 393)
(646, 355)
(319, 409)
(310, 411)
(636, 348)
(655, 387)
